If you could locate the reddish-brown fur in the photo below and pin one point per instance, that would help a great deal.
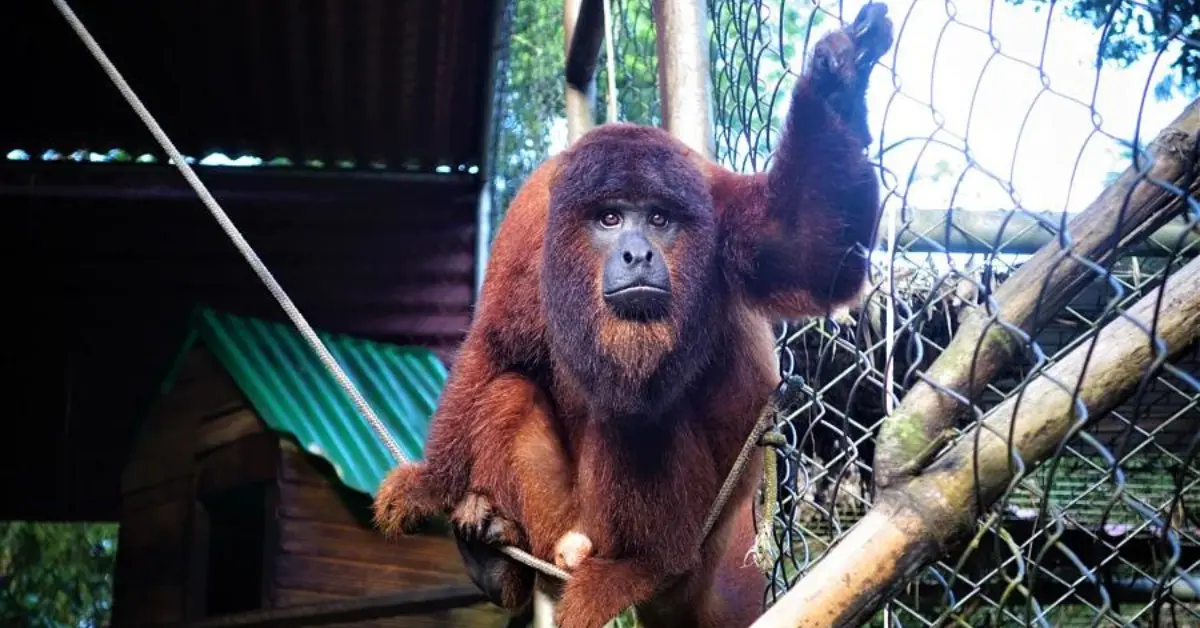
(560, 417)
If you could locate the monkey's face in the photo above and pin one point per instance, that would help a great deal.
(634, 240)
(630, 251)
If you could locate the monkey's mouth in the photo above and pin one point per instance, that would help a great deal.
(639, 302)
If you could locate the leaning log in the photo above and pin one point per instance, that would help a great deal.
(919, 521)
(1142, 200)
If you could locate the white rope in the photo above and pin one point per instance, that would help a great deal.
(259, 268)
(244, 247)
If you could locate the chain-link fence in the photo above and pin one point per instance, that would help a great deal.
(994, 123)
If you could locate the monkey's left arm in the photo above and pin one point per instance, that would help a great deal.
(798, 236)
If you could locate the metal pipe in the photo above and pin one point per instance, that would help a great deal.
(683, 78)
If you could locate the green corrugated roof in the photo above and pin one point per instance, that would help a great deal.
(293, 393)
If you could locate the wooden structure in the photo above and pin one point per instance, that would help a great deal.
(371, 229)
(227, 513)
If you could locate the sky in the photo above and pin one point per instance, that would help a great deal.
(1040, 139)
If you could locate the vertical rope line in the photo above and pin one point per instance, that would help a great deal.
(240, 242)
(612, 64)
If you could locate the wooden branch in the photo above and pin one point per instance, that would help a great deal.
(423, 600)
(1136, 205)
(920, 520)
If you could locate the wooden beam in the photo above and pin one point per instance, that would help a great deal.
(681, 34)
(227, 183)
(417, 601)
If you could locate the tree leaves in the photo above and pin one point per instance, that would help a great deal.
(56, 575)
(1133, 31)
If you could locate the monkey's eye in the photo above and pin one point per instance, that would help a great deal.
(658, 219)
(610, 219)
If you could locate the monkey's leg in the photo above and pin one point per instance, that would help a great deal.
(521, 490)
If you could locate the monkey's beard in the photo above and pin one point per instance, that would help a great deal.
(637, 347)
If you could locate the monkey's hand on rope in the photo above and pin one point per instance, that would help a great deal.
(476, 518)
(404, 501)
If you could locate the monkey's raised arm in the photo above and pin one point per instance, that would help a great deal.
(798, 235)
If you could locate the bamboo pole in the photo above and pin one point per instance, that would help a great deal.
(1134, 206)
(919, 521)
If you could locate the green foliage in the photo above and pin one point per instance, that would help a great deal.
(1136, 31)
(56, 574)
(628, 619)
(532, 99)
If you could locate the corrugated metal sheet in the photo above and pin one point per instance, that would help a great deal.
(293, 392)
(402, 82)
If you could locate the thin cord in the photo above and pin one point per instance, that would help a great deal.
(244, 247)
(529, 559)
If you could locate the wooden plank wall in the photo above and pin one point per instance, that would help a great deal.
(328, 551)
(158, 511)
(203, 438)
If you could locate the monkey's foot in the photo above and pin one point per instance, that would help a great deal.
(403, 503)
(571, 550)
(477, 519)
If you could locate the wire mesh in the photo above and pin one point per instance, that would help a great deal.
(994, 123)
(1106, 532)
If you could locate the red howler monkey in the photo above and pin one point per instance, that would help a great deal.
(622, 351)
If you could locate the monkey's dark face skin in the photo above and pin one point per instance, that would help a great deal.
(632, 238)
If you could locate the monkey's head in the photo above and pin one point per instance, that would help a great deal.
(628, 264)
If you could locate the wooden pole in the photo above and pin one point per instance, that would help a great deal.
(681, 37)
(919, 521)
(1134, 206)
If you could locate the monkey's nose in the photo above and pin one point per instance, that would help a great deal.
(639, 253)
